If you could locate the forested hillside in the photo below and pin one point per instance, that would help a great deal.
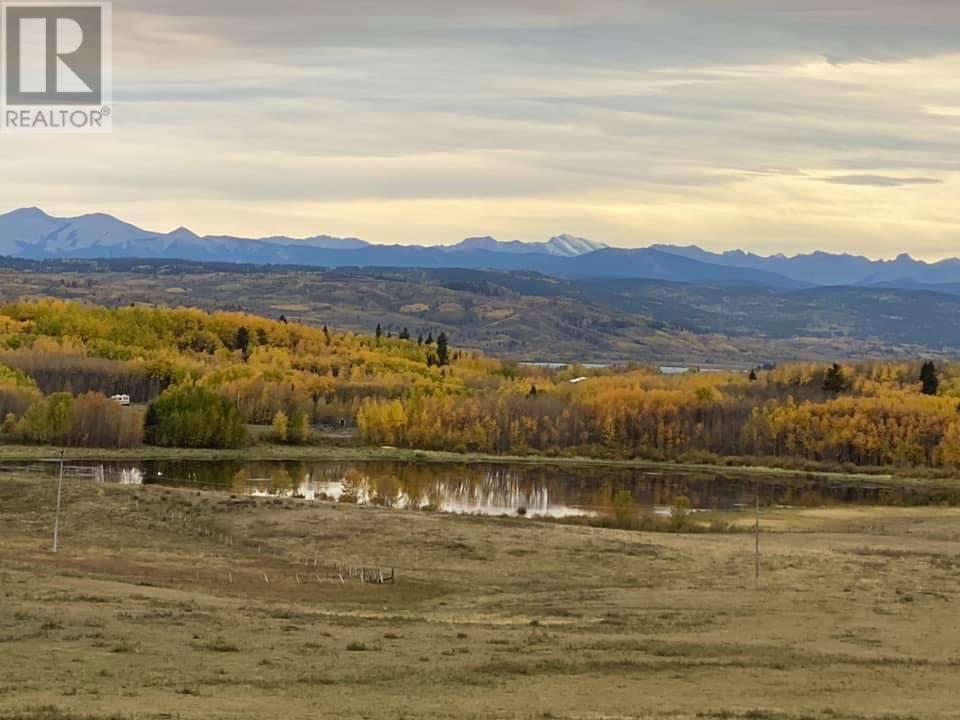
(533, 317)
(313, 375)
(199, 379)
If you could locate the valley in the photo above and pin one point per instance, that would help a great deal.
(532, 317)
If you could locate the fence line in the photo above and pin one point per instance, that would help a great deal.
(366, 574)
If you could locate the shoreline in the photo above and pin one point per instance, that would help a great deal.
(295, 453)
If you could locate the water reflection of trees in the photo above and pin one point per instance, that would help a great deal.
(500, 488)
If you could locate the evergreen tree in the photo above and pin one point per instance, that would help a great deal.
(753, 376)
(929, 378)
(404, 334)
(835, 380)
(443, 351)
(379, 333)
(429, 340)
(242, 341)
(420, 339)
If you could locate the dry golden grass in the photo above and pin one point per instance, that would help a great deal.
(137, 616)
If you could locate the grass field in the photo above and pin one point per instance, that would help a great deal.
(169, 604)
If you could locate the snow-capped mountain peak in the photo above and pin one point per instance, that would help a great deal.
(572, 246)
(560, 246)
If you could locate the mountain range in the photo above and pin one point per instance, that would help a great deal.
(30, 233)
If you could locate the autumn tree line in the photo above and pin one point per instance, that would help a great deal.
(87, 420)
(871, 414)
(199, 380)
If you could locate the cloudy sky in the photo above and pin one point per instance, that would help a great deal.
(773, 125)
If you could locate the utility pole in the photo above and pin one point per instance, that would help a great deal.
(757, 535)
(56, 519)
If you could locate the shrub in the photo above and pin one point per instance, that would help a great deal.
(9, 425)
(97, 421)
(298, 431)
(280, 426)
(188, 416)
(48, 419)
(293, 428)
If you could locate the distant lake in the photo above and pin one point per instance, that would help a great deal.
(561, 365)
(665, 369)
(506, 489)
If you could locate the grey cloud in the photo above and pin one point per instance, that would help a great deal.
(724, 107)
(880, 180)
(653, 33)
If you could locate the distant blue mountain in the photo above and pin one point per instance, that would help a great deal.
(32, 234)
(822, 268)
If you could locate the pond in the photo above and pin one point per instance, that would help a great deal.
(507, 489)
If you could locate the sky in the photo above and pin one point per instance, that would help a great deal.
(769, 125)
